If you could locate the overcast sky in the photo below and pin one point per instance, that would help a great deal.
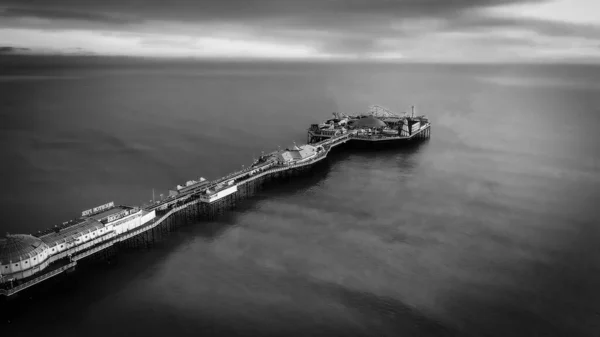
(416, 30)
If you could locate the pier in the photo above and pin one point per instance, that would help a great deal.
(26, 260)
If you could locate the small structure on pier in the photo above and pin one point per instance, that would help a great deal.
(21, 256)
(296, 154)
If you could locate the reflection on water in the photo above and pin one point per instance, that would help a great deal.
(487, 229)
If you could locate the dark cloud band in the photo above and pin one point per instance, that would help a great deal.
(311, 10)
(63, 14)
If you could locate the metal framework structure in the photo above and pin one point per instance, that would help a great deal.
(381, 112)
(374, 110)
(340, 115)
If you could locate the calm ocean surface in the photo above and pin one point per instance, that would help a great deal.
(488, 229)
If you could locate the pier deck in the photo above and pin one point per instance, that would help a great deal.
(202, 199)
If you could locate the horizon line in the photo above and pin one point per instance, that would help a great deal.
(399, 61)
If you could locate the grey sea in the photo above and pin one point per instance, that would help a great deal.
(490, 228)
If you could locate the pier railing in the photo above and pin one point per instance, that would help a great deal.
(84, 246)
(239, 177)
(75, 258)
(92, 251)
(11, 291)
(330, 143)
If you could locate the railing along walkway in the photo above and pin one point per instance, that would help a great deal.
(38, 279)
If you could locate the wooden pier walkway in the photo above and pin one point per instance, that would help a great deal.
(245, 177)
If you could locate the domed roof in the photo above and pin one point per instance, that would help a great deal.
(14, 248)
(369, 122)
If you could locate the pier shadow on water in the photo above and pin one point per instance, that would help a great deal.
(299, 183)
(99, 281)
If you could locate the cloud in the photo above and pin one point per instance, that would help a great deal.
(62, 14)
(493, 20)
(237, 10)
(353, 29)
(12, 50)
